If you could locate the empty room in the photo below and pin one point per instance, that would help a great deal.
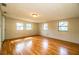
(39, 28)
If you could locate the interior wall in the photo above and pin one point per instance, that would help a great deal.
(11, 31)
(71, 35)
(0, 28)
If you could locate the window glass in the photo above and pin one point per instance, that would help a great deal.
(63, 26)
(19, 26)
(28, 26)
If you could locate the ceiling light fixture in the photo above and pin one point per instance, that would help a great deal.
(35, 15)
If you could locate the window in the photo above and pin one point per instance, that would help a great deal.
(63, 26)
(28, 26)
(45, 26)
(19, 26)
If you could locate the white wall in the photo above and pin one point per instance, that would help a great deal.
(11, 31)
(72, 35)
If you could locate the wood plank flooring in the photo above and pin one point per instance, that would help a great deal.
(39, 45)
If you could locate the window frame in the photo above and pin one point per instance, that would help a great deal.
(59, 26)
(20, 27)
(27, 26)
(45, 27)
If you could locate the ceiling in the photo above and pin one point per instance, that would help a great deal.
(46, 11)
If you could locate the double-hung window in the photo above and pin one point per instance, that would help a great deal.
(28, 26)
(45, 26)
(19, 26)
(63, 26)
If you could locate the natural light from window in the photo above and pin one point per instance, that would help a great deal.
(28, 26)
(19, 26)
(45, 26)
(63, 26)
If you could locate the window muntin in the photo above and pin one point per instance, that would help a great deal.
(28, 26)
(63, 26)
(19, 26)
(45, 26)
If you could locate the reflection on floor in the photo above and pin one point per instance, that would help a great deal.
(38, 45)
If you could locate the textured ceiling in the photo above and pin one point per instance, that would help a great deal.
(46, 11)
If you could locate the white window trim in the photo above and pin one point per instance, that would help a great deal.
(62, 26)
(45, 26)
(28, 27)
(19, 27)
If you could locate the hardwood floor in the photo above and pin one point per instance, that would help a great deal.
(38, 45)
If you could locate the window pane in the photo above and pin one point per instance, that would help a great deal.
(63, 23)
(28, 26)
(63, 28)
(19, 26)
(45, 26)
